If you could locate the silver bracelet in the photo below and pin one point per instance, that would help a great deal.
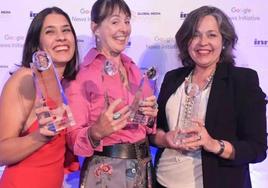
(94, 143)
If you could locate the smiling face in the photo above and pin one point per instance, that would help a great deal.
(113, 32)
(206, 45)
(57, 39)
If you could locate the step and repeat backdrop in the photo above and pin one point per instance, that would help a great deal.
(152, 43)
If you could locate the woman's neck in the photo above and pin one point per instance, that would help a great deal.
(110, 55)
(60, 71)
(203, 73)
(201, 76)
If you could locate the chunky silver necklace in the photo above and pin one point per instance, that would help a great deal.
(193, 94)
(191, 89)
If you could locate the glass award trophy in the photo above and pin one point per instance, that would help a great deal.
(190, 110)
(48, 87)
(136, 116)
(110, 68)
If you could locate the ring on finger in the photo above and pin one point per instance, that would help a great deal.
(116, 116)
(155, 106)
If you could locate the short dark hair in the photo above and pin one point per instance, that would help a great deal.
(32, 41)
(187, 30)
(103, 8)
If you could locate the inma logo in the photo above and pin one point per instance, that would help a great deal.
(260, 43)
(183, 15)
(32, 14)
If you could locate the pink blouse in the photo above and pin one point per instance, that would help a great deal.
(87, 101)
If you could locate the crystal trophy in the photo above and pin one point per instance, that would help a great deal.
(48, 87)
(136, 116)
(110, 68)
(190, 111)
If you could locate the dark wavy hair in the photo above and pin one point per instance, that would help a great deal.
(32, 42)
(187, 30)
(103, 8)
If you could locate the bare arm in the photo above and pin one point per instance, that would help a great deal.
(13, 115)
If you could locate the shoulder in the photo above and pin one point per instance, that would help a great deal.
(236, 73)
(243, 74)
(17, 99)
(126, 58)
(243, 71)
(246, 81)
(91, 71)
(19, 89)
(22, 78)
(177, 70)
(181, 71)
(85, 79)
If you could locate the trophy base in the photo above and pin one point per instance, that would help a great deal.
(180, 136)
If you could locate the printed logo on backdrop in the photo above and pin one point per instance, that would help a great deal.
(147, 15)
(83, 16)
(3, 67)
(260, 43)
(5, 14)
(182, 15)
(11, 41)
(243, 14)
(32, 14)
(162, 43)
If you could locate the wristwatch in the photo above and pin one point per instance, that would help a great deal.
(222, 147)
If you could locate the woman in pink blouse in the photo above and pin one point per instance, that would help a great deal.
(113, 106)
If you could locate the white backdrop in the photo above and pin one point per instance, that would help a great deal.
(154, 24)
